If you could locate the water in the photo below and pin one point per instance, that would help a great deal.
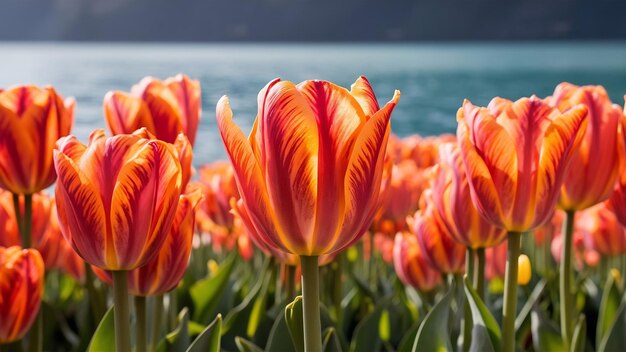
(434, 78)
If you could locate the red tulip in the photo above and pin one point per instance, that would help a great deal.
(516, 156)
(32, 119)
(310, 174)
(116, 197)
(165, 108)
(601, 230)
(21, 290)
(452, 199)
(411, 266)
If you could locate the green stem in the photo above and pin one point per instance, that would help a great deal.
(18, 215)
(466, 322)
(277, 271)
(36, 333)
(510, 292)
(156, 323)
(173, 309)
(140, 311)
(122, 314)
(27, 224)
(337, 289)
(565, 281)
(291, 282)
(479, 273)
(94, 297)
(311, 304)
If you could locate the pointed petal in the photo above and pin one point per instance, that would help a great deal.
(79, 207)
(362, 91)
(124, 113)
(249, 178)
(188, 95)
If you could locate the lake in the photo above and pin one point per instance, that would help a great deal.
(434, 78)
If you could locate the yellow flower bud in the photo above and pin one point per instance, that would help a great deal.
(524, 271)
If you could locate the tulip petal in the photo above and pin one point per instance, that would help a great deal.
(364, 176)
(249, 178)
(561, 141)
(79, 207)
(188, 95)
(143, 205)
(289, 145)
(362, 91)
(125, 113)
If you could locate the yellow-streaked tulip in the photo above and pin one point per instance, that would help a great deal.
(411, 266)
(310, 173)
(116, 197)
(165, 108)
(598, 161)
(440, 249)
(21, 290)
(516, 155)
(452, 199)
(31, 121)
(163, 272)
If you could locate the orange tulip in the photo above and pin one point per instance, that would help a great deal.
(602, 231)
(546, 232)
(116, 197)
(219, 186)
(438, 246)
(598, 161)
(32, 120)
(451, 196)
(495, 258)
(21, 290)
(411, 266)
(163, 272)
(9, 232)
(617, 201)
(516, 156)
(310, 173)
(165, 108)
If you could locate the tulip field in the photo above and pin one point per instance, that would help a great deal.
(321, 231)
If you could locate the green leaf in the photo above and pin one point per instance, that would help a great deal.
(486, 335)
(279, 338)
(611, 299)
(615, 338)
(209, 339)
(579, 338)
(258, 309)
(366, 335)
(246, 346)
(546, 335)
(206, 293)
(406, 343)
(433, 333)
(330, 341)
(293, 319)
(104, 337)
(178, 339)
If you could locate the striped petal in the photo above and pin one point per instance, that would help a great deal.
(289, 145)
(561, 141)
(143, 205)
(188, 95)
(79, 209)
(165, 110)
(491, 179)
(364, 175)
(125, 113)
(249, 178)
(362, 91)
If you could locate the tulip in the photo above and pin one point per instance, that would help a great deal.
(165, 108)
(617, 201)
(9, 231)
(116, 200)
(21, 291)
(496, 261)
(601, 230)
(310, 174)
(439, 247)
(516, 156)
(411, 265)
(33, 119)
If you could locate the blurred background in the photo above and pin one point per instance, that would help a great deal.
(437, 52)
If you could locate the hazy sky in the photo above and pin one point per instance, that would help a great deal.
(311, 20)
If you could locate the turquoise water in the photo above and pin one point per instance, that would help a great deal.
(434, 78)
